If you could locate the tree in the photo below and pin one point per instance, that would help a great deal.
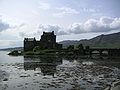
(80, 49)
(87, 50)
(70, 47)
(87, 47)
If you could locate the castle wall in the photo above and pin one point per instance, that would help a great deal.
(47, 41)
(58, 46)
(29, 45)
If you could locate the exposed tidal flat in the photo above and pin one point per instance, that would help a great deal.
(58, 73)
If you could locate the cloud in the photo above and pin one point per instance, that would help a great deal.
(16, 43)
(10, 43)
(104, 24)
(65, 11)
(3, 26)
(22, 34)
(91, 10)
(49, 28)
(21, 25)
(18, 26)
(58, 30)
(76, 28)
(29, 34)
(44, 6)
(115, 24)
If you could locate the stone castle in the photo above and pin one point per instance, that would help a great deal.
(47, 41)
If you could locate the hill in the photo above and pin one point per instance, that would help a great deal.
(101, 41)
(11, 49)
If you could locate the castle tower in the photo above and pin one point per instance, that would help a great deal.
(29, 44)
(47, 41)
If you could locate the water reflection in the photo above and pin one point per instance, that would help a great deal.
(109, 62)
(47, 64)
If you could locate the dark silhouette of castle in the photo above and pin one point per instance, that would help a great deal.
(47, 41)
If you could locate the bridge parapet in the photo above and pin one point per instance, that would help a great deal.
(110, 51)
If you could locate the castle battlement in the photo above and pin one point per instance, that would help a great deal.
(47, 41)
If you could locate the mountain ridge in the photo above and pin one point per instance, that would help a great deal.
(101, 41)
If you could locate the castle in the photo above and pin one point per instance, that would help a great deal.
(47, 41)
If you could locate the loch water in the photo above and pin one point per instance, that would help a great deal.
(57, 72)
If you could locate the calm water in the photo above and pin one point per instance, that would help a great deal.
(4, 58)
(56, 73)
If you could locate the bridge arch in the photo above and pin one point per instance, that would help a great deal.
(95, 52)
(105, 52)
(99, 51)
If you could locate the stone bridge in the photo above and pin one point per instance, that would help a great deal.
(101, 51)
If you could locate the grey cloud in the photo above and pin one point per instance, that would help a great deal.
(18, 26)
(45, 6)
(65, 11)
(22, 34)
(21, 25)
(57, 29)
(3, 26)
(76, 28)
(48, 28)
(15, 43)
(91, 10)
(10, 43)
(104, 24)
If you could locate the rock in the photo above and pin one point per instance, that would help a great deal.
(25, 75)
(26, 83)
(19, 85)
(89, 81)
(5, 79)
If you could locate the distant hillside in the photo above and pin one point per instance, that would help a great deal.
(11, 49)
(69, 42)
(102, 41)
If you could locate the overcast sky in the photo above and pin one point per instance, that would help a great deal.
(70, 19)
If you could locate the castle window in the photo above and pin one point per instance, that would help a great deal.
(49, 40)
